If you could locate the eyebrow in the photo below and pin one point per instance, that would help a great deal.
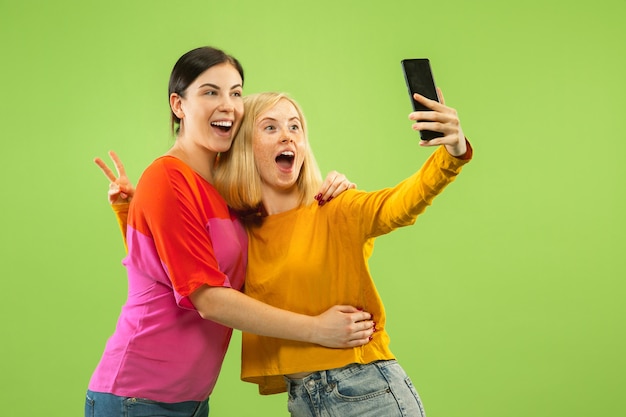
(273, 120)
(218, 88)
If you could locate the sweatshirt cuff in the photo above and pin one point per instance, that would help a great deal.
(468, 153)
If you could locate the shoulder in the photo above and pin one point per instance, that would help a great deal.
(166, 163)
(165, 181)
(166, 169)
(347, 201)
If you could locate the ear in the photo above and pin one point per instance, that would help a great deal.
(176, 105)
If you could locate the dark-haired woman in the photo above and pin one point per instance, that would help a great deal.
(186, 264)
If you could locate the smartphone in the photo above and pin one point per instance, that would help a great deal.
(419, 79)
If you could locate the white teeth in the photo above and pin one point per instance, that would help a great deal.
(287, 153)
(222, 124)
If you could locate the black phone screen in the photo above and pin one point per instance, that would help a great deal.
(419, 79)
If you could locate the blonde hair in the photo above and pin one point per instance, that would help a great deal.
(236, 176)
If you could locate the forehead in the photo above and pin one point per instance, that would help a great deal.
(284, 109)
(221, 74)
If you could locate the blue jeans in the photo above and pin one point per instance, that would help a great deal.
(373, 390)
(98, 404)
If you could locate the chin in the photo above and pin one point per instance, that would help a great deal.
(223, 146)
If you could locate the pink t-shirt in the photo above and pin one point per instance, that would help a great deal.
(181, 235)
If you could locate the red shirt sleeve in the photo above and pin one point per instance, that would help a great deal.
(173, 208)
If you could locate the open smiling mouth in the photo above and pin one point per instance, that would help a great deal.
(285, 159)
(224, 126)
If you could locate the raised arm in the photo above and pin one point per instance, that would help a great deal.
(385, 210)
(121, 190)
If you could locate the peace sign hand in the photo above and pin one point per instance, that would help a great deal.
(121, 190)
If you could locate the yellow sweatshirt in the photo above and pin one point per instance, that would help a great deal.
(311, 258)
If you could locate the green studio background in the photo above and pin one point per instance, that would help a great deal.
(505, 299)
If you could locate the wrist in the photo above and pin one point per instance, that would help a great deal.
(459, 149)
(310, 330)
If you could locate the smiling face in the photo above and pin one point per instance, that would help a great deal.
(279, 146)
(211, 109)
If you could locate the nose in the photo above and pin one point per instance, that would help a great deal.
(226, 104)
(286, 137)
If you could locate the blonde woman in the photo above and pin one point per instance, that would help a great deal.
(303, 259)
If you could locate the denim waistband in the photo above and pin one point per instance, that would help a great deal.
(336, 374)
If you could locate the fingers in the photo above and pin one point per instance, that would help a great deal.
(440, 95)
(362, 324)
(362, 333)
(334, 184)
(345, 326)
(437, 122)
(444, 114)
(105, 169)
(120, 189)
(359, 337)
(357, 313)
(359, 320)
(119, 167)
(328, 188)
(431, 104)
(438, 108)
(360, 316)
(358, 342)
(442, 119)
(118, 164)
(449, 125)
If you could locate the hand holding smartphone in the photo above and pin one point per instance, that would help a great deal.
(419, 79)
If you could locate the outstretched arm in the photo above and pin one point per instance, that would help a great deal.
(387, 209)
